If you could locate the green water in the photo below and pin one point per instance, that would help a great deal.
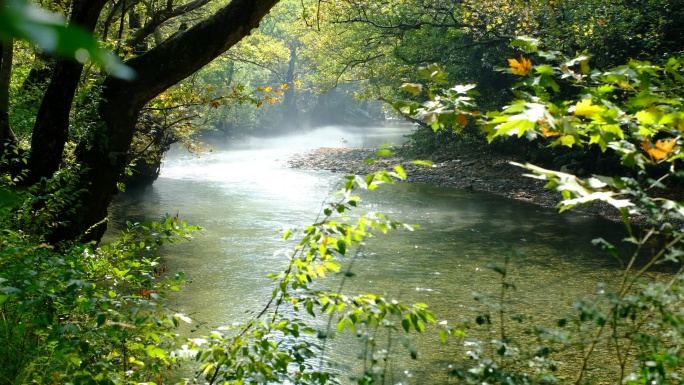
(243, 196)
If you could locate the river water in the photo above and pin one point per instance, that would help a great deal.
(243, 197)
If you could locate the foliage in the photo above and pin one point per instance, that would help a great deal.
(21, 20)
(87, 315)
(633, 110)
(81, 314)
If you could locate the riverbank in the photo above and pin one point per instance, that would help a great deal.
(489, 172)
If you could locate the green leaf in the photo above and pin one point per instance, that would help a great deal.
(512, 127)
(8, 198)
(528, 44)
(21, 20)
(406, 324)
(432, 73)
(422, 163)
(342, 246)
(544, 69)
(567, 140)
(606, 88)
(649, 117)
(400, 170)
(412, 88)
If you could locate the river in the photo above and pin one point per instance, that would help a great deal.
(243, 197)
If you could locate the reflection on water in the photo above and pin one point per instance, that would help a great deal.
(243, 197)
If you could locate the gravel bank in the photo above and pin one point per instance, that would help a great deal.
(479, 172)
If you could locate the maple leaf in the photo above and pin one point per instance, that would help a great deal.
(546, 132)
(521, 67)
(660, 149)
(585, 108)
(461, 120)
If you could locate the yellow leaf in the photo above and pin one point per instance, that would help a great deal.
(521, 67)
(284, 87)
(649, 117)
(210, 88)
(584, 66)
(660, 149)
(269, 89)
(586, 109)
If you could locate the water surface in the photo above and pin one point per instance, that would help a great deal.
(243, 197)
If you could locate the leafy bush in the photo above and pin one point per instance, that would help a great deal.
(635, 112)
(80, 314)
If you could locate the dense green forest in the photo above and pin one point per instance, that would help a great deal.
(94, 92)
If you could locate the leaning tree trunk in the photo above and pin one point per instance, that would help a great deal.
(104, 158)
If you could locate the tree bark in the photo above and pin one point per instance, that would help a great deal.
(104, 159)
(7, 137)
(289, 103)
(51, 129)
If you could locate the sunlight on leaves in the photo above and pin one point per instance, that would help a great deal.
(585, 108)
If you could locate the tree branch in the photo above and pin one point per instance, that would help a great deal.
(161, 17)
(252, 62)
(104, 156)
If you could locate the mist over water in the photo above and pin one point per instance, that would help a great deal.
(326, 136)
(243, 196)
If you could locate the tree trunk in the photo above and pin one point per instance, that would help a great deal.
(104, 159)
(289, 103)
(7, 137)
(51, 129)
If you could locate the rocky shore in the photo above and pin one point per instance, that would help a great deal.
(474, 171)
